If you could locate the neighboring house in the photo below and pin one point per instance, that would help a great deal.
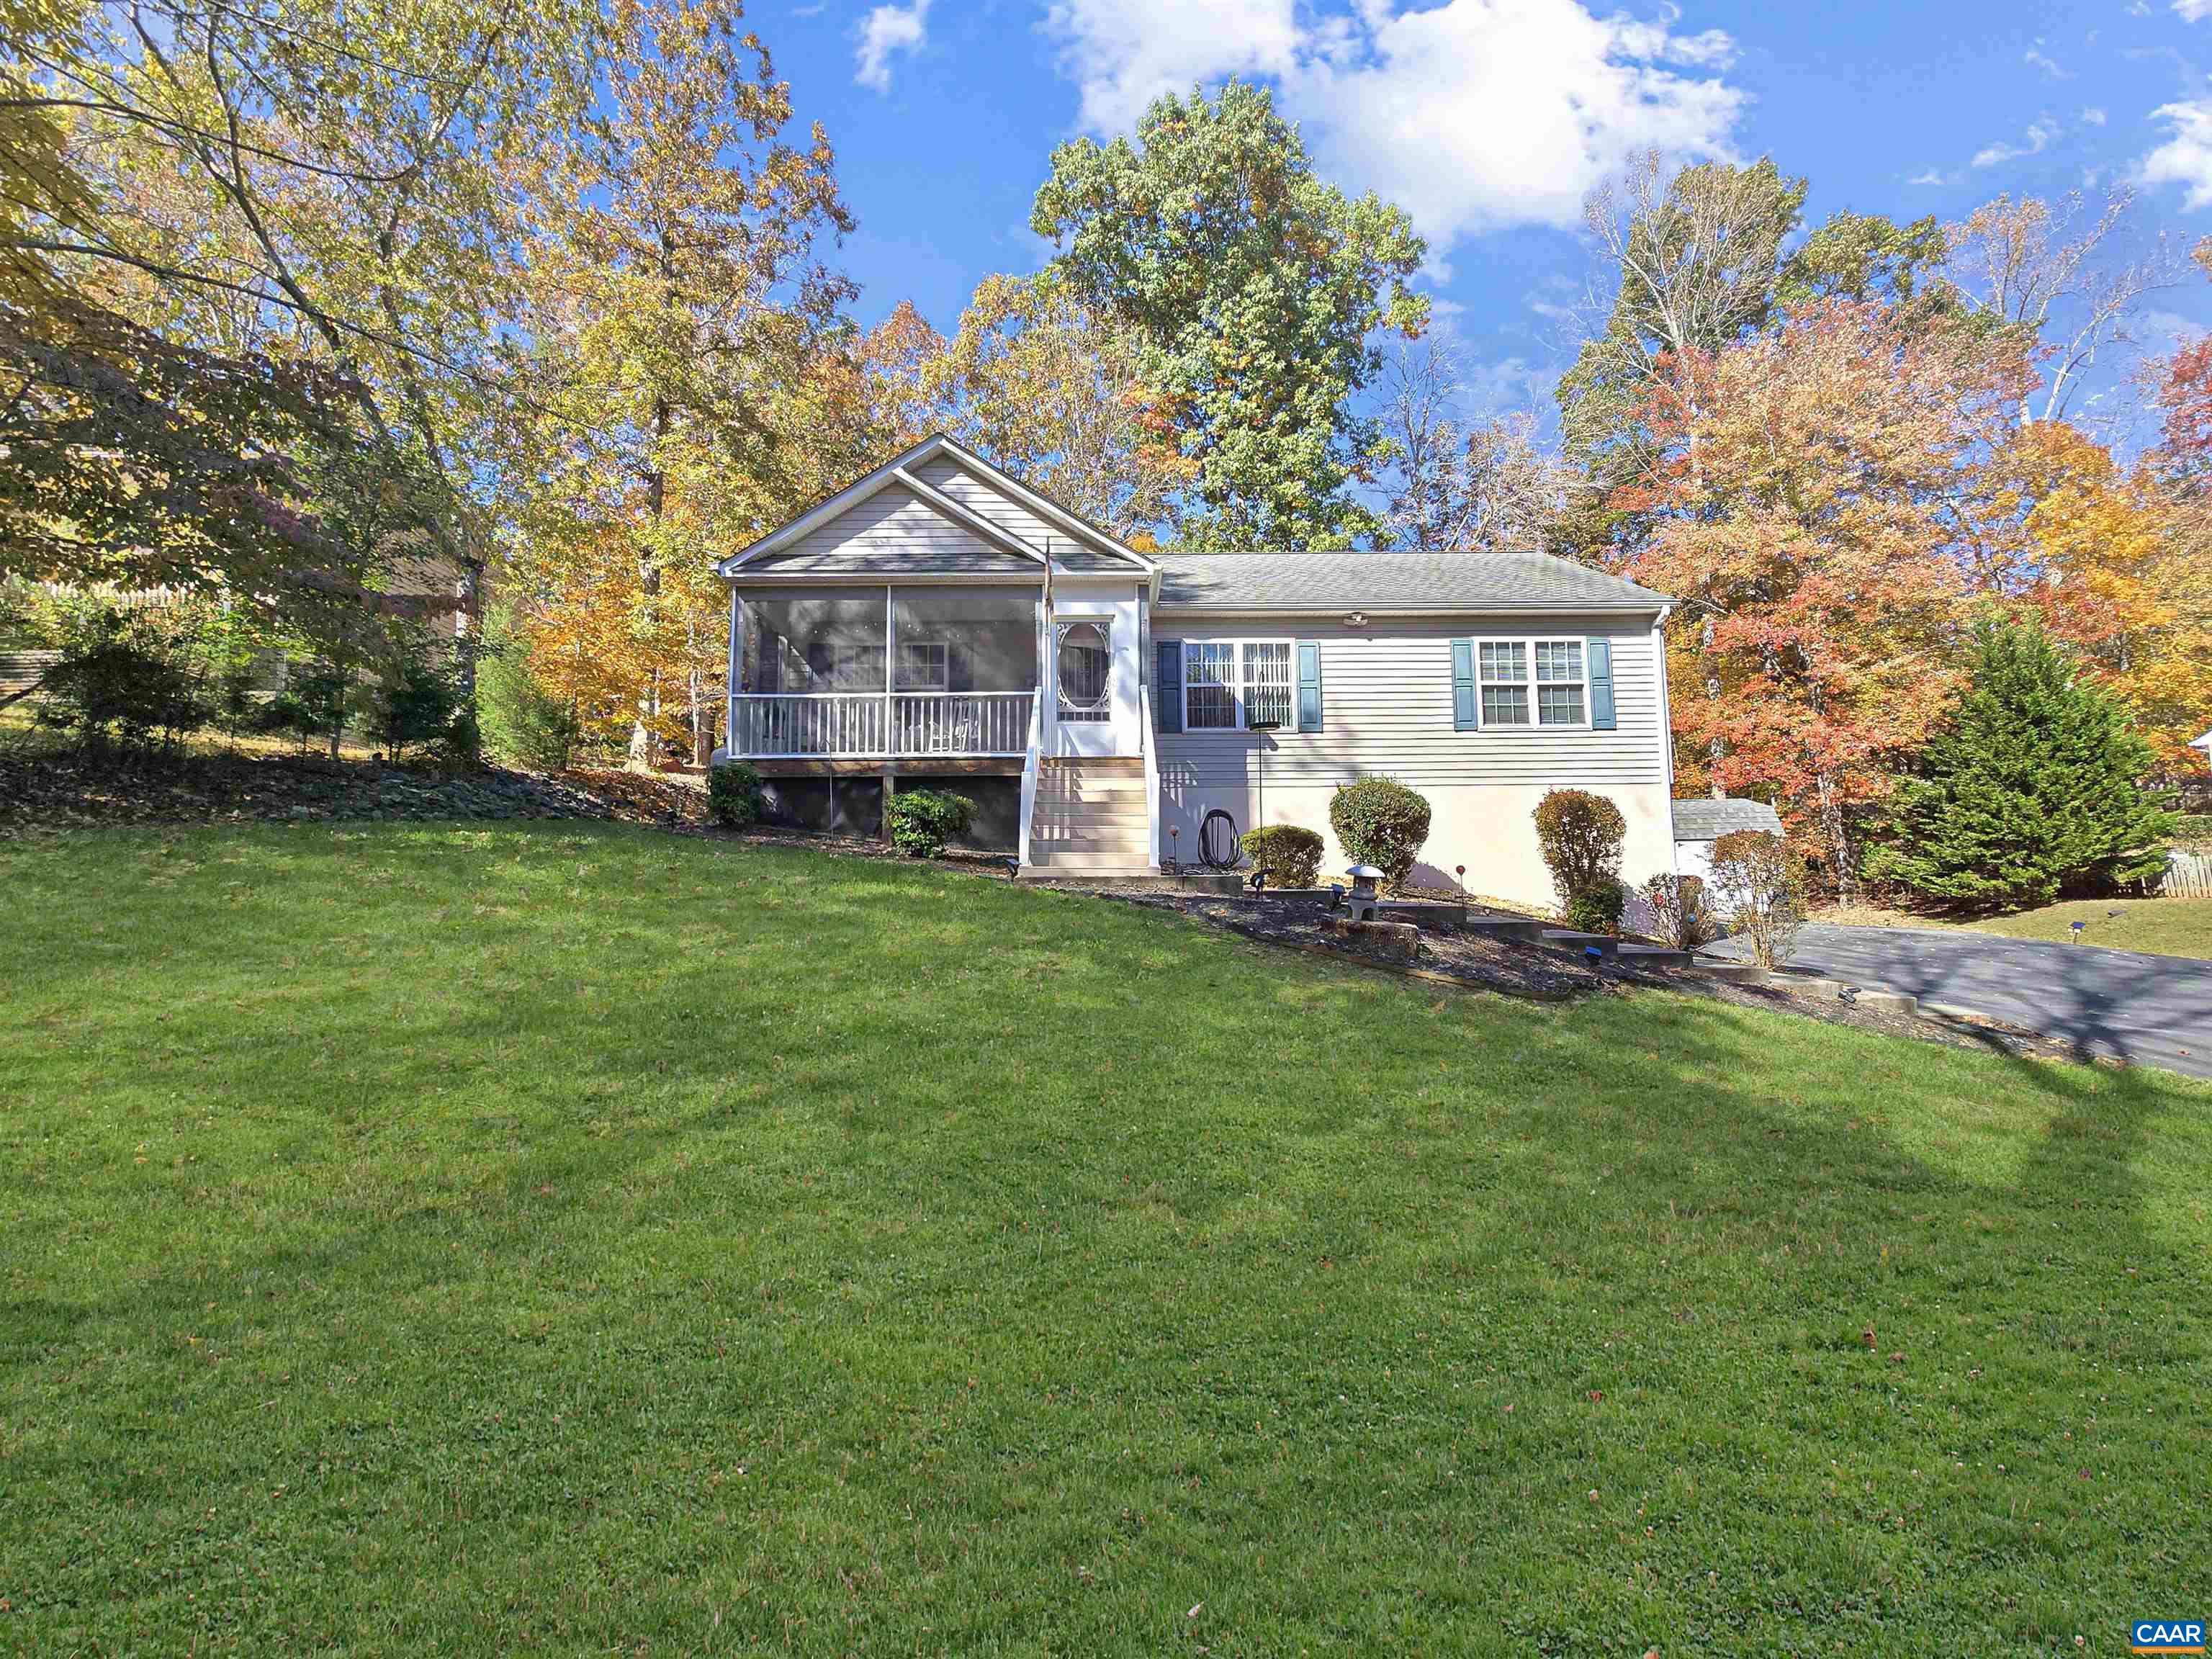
(938, 623)
(2205, 744)
(1699, 822)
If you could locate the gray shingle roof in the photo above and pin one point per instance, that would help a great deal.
(1315, 581)
(1709, 820)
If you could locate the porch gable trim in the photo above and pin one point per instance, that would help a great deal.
(897, 471)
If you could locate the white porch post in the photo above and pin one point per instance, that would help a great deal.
(730, 683)
(891, 739)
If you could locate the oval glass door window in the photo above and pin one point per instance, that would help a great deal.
(1087, 655)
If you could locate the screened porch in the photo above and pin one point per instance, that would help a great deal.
(884, 672)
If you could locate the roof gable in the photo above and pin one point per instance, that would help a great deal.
(986, 503)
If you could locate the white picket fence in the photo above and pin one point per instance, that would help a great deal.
(2188, 875)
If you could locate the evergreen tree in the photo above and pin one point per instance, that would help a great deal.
(2034, 786)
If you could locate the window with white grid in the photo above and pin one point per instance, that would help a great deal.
(1209, 679)
(1559, 682)
(1267, 681)
(1505, 681)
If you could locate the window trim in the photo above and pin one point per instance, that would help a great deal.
(1237, 642)
(1535, 725)
(944, 650)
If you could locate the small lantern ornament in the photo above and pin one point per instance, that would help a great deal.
(1365, 889)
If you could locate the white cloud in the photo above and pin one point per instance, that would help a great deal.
(2093, 116)
(2035, 58)
(883, 33)
(1513, 383)
(1933, 176)
(2039, 135)
(2185, 158)
(2192, 11)
(1472, 114)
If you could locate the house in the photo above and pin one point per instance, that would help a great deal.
(1699, 822)
(2205, 744)
(937, 623)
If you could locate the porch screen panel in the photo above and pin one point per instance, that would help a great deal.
(803, 641)
(964, 639)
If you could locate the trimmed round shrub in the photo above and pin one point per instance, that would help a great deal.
(1290, 855)
(922, 820)
(1379, 821)
(733, 794)
(1581, 835)
(1596, 909)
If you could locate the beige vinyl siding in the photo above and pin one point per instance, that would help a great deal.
(893, 531)
(1387, 707)
(1071, 552)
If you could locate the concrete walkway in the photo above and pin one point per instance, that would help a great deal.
(2157, 1011)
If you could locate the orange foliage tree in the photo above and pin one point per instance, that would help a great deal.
(1808, 485)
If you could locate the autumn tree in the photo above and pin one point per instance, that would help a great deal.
(1456, 479)
(321, 184)
(1803, 497)
(1690, 261)
(1255, 291)
(679, 306)
(2060, 276)
(138, 458)
(1054, 390)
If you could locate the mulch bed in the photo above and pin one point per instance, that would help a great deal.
(1549, 973)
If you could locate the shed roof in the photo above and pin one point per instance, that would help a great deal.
(1704, 819)
(1447, 582)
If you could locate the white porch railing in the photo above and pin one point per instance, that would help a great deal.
(864, 725)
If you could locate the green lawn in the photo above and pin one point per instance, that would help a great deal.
(583, 1239)
(2166, 926)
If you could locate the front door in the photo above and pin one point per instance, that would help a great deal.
(1094, 675)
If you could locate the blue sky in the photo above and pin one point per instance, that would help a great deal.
(1489, 119)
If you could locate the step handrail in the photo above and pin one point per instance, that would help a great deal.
(1152, 776)
(1030, 760)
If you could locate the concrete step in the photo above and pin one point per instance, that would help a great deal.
(1503, 927)
(1656, 955)
(1568, 937)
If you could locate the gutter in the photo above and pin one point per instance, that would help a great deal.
(1645, 608)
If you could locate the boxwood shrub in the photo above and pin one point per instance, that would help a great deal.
(733, 794)
(923, 820)
(1379, 821)
(1290, 855)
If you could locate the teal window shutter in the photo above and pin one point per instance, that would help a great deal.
(1466, 707)
(1167, 707)
(1599, 654)
(1308, 685)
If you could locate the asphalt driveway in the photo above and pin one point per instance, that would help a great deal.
(2157, 1011)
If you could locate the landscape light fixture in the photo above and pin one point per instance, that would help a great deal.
(1364, 890)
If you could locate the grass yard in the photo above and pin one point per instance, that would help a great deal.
(427, 1239)
(2164, 927)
